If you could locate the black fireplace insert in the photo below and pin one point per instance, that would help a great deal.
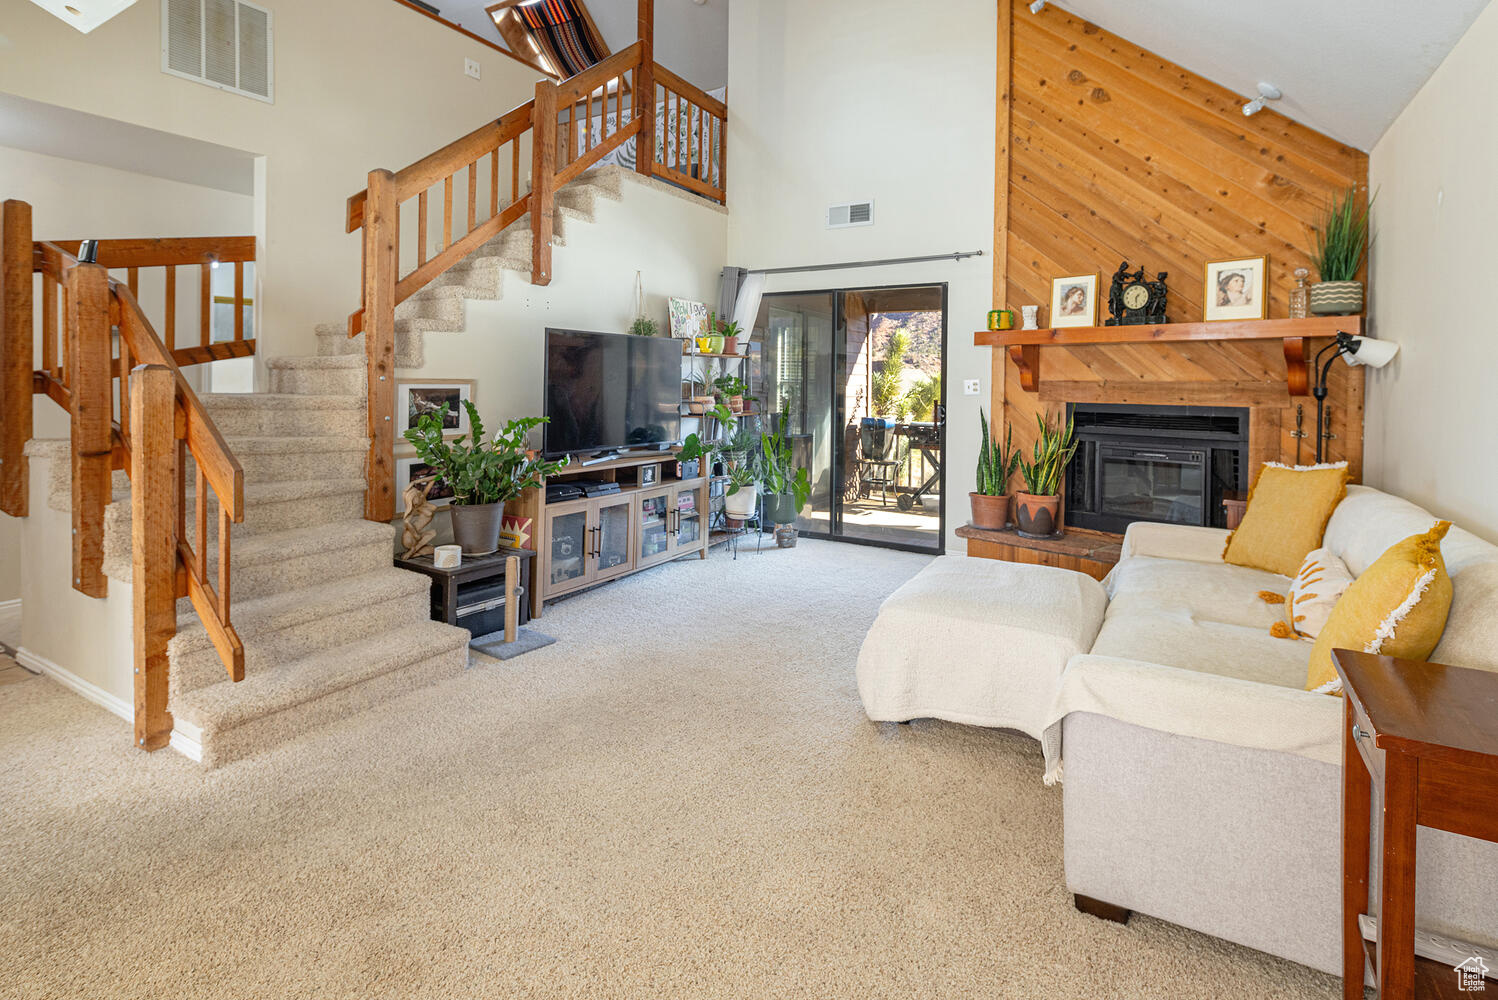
(1154, 463)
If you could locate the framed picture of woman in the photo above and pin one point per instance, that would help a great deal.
(1236, 289)
(1074, 301)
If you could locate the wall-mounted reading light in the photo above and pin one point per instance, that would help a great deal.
(1267, 92)
(85, 15)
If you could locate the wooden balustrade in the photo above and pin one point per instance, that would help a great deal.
(571, 126)
(161, 424)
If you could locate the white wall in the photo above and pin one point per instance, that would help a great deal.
(1431, 413)
(73, 200)
(360, 84)
(841, 100)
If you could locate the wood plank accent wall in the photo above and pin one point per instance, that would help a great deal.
(1114, 154)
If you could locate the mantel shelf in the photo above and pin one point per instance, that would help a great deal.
(1024, 345)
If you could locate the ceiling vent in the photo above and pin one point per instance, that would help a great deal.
(223, 43)
(856, 213)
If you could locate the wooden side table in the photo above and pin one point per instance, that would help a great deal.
(1427, 735)
(466, 595)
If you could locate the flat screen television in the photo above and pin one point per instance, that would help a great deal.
(606, 391)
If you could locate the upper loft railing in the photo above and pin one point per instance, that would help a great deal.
(149, 425)
(678, 135)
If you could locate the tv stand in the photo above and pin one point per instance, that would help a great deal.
(654, 518)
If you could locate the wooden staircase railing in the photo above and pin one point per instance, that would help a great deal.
(161, 423)
(570, 126)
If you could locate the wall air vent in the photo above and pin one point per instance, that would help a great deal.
(223, 43)
(856, 213)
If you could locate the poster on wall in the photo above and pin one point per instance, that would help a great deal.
(688, 318)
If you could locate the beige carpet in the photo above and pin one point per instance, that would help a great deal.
(681, 798)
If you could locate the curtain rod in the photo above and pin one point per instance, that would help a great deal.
(959, 255)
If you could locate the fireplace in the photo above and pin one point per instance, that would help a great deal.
(1154, 463)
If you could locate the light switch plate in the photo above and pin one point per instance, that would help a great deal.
(471, 68)
(970, 387)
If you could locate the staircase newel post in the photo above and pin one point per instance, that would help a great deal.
(91, 353)
(644, 95)
(543, 179)
(381, 227)
(153, 545)
(16, 359)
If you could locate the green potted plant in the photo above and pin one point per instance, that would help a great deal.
(743, 492)
(1340, 240)
(701, 398)
(731, 333)
(482, 474)
(996, 466)
(786, 486)
(699, 446)
(644, 326)
(732, 390)
(1036, 511)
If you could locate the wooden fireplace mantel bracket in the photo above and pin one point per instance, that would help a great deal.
(1024, 345)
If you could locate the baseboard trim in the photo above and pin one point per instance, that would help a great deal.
(187, 743)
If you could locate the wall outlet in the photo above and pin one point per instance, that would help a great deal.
(471, 68)
(970, 387)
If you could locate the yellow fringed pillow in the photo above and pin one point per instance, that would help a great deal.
(1398, 607)
(1288, 508)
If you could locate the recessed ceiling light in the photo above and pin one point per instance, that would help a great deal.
(85, 15)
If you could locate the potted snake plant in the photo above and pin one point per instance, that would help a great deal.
(996, 466)
(483, 474)
(1037, 510)
(1339, 253)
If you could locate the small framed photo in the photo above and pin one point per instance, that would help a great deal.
(1236, 289)
(415, 398)
(409, 470)
(650, 475)
(1074, 301)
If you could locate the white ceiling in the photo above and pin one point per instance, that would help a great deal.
(1346, 67)
(691, 39)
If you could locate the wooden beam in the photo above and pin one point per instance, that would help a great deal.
(89, 323)
(518, 39)
(153, 545)
(1150, 393)
(543, 180)
(16, 361)
(1257, 329)
(468, 34)
(643, 99)
(171, 250)
(1004, 110)
(381, 225)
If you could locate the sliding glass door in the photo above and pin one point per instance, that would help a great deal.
(857, 374)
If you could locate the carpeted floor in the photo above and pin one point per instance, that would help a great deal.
(680, 798)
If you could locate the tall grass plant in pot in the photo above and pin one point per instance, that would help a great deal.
(1340, 241)
(1037, 510)
(996, 466)
(483, 474)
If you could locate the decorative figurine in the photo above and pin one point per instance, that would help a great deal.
(1133, 301)
(415, 535)
(1031, 314)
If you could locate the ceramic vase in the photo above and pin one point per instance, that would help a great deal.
(1037, 516)
(476, 527)
(1336, 298)
(990, 512)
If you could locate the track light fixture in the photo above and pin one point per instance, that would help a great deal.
(1267, 92)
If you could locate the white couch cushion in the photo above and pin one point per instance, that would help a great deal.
(1471, 636)
(1215, 592)
(1368, 521)
(1174, 637)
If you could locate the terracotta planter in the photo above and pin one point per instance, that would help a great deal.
(736, 404)
(731, 345)
(1336, 298)
(990, 512)
(1037, 516)
(476, 527)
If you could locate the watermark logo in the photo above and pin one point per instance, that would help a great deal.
(1471, 975)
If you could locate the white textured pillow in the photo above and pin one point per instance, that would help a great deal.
(1313, 593)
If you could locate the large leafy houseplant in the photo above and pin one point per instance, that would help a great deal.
(481, 473)
(1037, 508)
(996, 466)
(1341, 239)
(786, 485)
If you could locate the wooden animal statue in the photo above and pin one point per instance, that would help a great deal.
(415, 535)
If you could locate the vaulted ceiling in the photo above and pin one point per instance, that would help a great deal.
(1346, 67)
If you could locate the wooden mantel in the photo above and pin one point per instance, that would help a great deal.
(1024, 345)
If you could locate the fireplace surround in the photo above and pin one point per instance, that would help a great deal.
(1173, 464)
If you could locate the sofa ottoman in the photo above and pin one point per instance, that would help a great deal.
(979, 642)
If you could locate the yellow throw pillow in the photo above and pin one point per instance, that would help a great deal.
(1288, 508)
(1322, 580)
(1398, 607)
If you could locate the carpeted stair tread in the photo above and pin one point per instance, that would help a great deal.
(308, 540)
(288, 490)
(290, 608)
(279, 400)
(318, 361)
(295, 445)
(228, 704)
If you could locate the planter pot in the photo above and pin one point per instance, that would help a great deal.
(741, 504)
(705, 345)
(731, 345)
(990, 512)
(1037, 516)
(476, 527)
(689, 469)
(736, 404)
(785, 536)
(1336, 298)
(780, 508)
(715, 344)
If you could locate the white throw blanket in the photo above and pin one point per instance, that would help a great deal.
(1199, 705)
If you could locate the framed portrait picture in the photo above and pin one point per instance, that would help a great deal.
(688, 318)
(1074, 301)
(650, 475)
(407, 471)
(415, 398)
(1236, 289)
